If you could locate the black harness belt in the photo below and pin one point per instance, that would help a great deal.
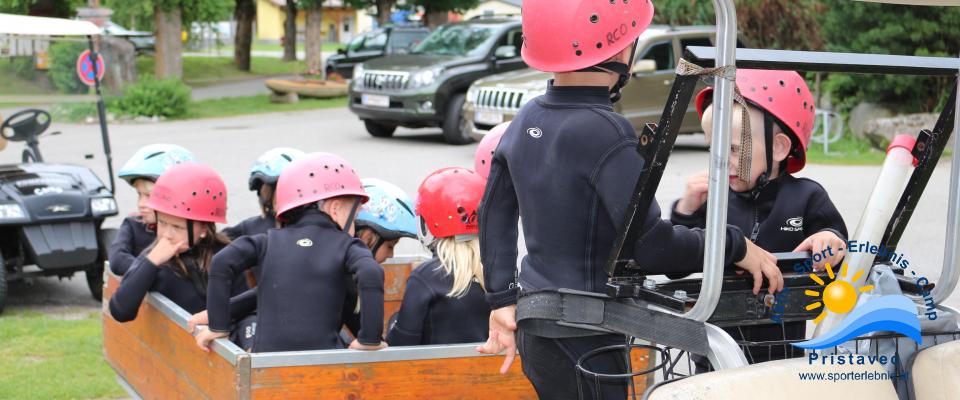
(573, 313)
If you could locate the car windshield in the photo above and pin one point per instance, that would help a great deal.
(456, 40)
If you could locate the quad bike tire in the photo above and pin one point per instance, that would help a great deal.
(95, 272)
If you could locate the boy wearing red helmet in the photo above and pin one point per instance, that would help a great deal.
(444, 300)
(304, 264)
(780, 212)
(567, 166)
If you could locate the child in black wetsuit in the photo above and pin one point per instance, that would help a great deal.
(444, 302)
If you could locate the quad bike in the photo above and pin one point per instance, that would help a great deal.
(50, 214)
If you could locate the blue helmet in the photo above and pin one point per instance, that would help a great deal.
(389, 211)
(267, 168)
(152, 160)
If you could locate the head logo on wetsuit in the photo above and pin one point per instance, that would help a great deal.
(305, 243)
(535, 132)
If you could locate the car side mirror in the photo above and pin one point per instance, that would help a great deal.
(644, 67)
(505, 52)
(341, 52)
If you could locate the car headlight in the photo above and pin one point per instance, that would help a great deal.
(472, 93)
(103, 205)
(426, 77)
(358, 76)
(11, 211)
(530, 95)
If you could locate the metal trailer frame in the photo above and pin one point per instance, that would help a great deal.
(656, 142)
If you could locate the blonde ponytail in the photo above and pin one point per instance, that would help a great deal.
(462, 261)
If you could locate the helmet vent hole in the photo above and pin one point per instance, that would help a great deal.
(753, 89)
(764, 87)
(770, 99)
(326, 167)
(343, 187)
(208, 191)
(798, 90)
(599, 45)
(194, 194)
(576, 44)
(311, 174)
(798, 124)
(460, 210)
(214, 197)
(188, 209)
(579, 52)
(336, 170)
(804, 104)
(633, 24)
(782, 83)
(594, 18)
(613, 1)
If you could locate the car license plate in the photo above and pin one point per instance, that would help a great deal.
(375, 100)
(488, 117)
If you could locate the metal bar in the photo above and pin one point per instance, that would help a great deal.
(655, 147)
(717, 195)
(814, 61)
(930, 148)
(102, 114)
(950, 272)
(344, 356)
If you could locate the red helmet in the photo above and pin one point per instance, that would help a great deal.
(484, 155)
(314, 177)
(590, 32)
(191, 191)
(447, 202)
(783, 94)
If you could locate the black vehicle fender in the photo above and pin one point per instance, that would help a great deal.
(458, 80)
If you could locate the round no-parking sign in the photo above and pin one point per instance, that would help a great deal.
(85, 68)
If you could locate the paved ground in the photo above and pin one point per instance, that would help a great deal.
(231, 144)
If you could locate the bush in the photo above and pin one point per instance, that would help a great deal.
(150, 97)
(23, 68)
(850, 26)
(63, 67)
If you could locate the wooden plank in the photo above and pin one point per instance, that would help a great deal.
(452, 378)
(159, 358)
(394, 286)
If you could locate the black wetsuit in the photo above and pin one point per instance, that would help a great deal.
(428, 316)
(567, 166)
(133, 237)
(188, 292)
(777, 218)
(300, 294)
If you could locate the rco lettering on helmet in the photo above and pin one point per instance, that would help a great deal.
(615, 35)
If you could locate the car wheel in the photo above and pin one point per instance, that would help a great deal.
(377, 129)
(454, 123)
(95, 271)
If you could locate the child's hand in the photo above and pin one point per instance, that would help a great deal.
(696, 193)
(825, 243)
(206, 337)
(199, 318)
(356, 345)
(503, 325)
(760, 263)
(164, 250)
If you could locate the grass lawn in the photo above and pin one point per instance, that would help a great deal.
(232, 106)
(849, 150)
(263, 46)
(10, 83)
(201, 71)
(56, 355)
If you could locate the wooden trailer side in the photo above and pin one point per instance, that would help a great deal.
(157, 357)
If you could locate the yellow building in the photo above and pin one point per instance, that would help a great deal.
(494, 7)
(340, 23)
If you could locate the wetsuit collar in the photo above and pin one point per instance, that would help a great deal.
(316, 218)
(579, 95)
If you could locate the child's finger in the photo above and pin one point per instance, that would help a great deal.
(508, 360)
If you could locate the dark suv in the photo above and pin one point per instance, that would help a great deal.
(428, 86)
(377, 43)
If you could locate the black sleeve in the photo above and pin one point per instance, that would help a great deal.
(226, 266)
(823, 216)
(243, 304)
(662, 247)
(499, 214)
(233, 232)
(696, 220)
(120, 253)
(369, 274)
(349, 316)
(408, 331)
(133, 288)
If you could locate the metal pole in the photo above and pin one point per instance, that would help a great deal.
(951, 257)
(826, 132)
(101, 113)
(713, 253)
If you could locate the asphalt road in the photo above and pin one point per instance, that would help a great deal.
(230, 145)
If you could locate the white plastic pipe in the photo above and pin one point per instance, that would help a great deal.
(896, 171)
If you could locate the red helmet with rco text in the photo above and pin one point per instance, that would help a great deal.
(570, 35)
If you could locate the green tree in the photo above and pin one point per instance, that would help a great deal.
(851, 26)
(436, 11)
(384, 8)
(42, 8)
